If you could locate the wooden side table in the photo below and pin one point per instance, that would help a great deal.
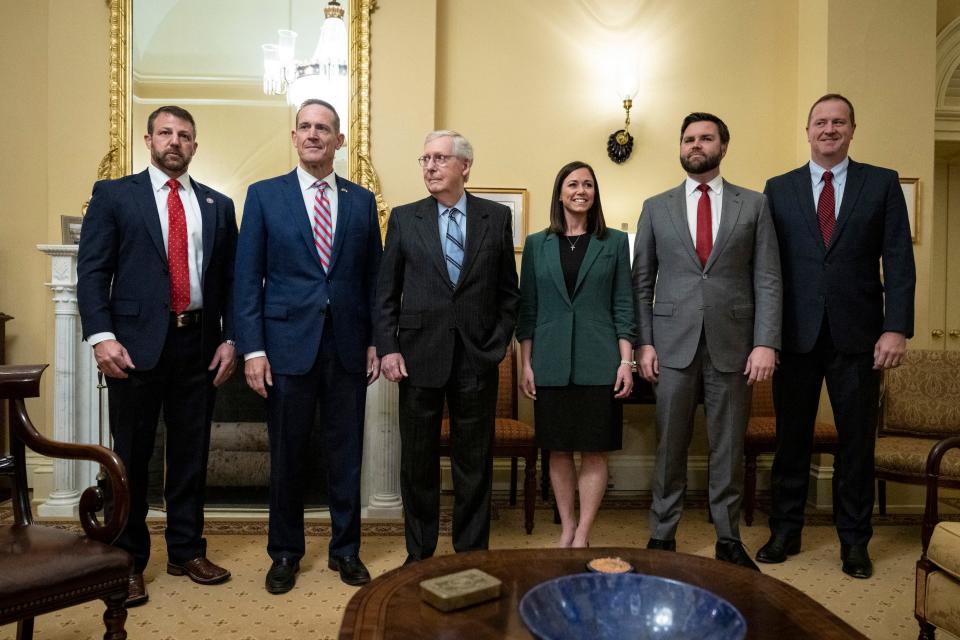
(390, 606)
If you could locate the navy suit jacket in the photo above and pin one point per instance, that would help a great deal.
(283, 295)
(123, 280)
(843, 280)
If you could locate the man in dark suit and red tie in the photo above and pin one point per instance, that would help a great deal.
(447, 300)
(838, 222)
(307, 262)
(154, 287)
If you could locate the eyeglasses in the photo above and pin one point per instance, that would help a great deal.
(439, 160)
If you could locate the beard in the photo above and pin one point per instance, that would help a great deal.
(174, 161)
(701, 165)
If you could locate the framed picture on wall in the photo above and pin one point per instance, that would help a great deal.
(911, 193)
(516, 201)
(70, 229)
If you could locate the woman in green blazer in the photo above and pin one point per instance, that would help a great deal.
(576, 330)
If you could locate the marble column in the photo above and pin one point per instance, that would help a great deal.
(65, 494)
(382, 451)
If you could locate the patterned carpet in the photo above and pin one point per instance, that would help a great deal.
(881, 608)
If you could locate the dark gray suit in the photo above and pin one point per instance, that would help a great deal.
(703, 322)
(451, 339)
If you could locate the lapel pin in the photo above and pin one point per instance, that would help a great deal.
(209, 200)
(343, 189)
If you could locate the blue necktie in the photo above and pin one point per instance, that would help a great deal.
(453, 247)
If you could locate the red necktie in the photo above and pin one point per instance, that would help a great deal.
(704, 225)
(322, 224)
(825, 208)
(177, 249)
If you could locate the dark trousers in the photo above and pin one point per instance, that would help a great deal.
(292, 405)
(182, 387)
(854, 388)
(471, 400)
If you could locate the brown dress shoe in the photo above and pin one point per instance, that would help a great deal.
(136, 590)
(200, 570)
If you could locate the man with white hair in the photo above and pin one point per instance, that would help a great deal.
(447, 302)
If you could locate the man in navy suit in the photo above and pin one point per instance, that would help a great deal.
(838, 221)
(154, 285)
(307, 261)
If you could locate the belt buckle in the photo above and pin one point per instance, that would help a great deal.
(185, 319)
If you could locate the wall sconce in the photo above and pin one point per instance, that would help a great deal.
(620, 142)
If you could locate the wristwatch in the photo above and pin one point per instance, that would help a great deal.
(632, 363)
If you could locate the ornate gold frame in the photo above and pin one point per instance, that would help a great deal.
(116, 162)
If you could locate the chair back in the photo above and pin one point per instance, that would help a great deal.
(762, 404)
(920, 397)
(507, 389)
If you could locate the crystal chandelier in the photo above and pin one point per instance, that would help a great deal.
(323, 75)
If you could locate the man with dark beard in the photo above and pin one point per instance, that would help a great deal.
(706, 281)
(154, 285)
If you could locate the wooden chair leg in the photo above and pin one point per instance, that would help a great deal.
(749, 487)
(513, 481)
(25, 629)
(115, 616)
(529, 490)
(882, 496)
(545, 475)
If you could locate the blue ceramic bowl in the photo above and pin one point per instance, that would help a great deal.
(595, 606)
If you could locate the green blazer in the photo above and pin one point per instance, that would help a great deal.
(575, 340)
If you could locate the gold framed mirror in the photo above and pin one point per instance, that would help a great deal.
(126, 111)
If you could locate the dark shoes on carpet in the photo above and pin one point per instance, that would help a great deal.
(856, 560)
(351, 569)
(778, 548)
(732, 551)
(662, 545)
(282, 575)
(200, 570)
(136, 590)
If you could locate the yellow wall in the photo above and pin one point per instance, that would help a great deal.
(532, 84)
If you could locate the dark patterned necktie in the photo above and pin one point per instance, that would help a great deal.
(825, 208)
(177, 256)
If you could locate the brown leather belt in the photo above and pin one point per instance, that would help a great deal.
(186, 319)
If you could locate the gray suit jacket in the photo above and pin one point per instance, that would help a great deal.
(735, 300)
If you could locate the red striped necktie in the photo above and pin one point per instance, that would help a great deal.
(322, 224)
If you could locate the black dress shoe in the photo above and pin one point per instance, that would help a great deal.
(778, 547)
(732, 551)
(662, 545)
(351, 569)
(410, 560)
(856, 561)
(282, 575)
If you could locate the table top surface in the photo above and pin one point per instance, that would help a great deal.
(390, 606)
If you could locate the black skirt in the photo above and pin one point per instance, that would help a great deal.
(578, 418)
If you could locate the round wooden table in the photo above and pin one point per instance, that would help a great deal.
(390, 606)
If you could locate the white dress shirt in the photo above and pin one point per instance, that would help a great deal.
(191, 209)
(693, 199)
